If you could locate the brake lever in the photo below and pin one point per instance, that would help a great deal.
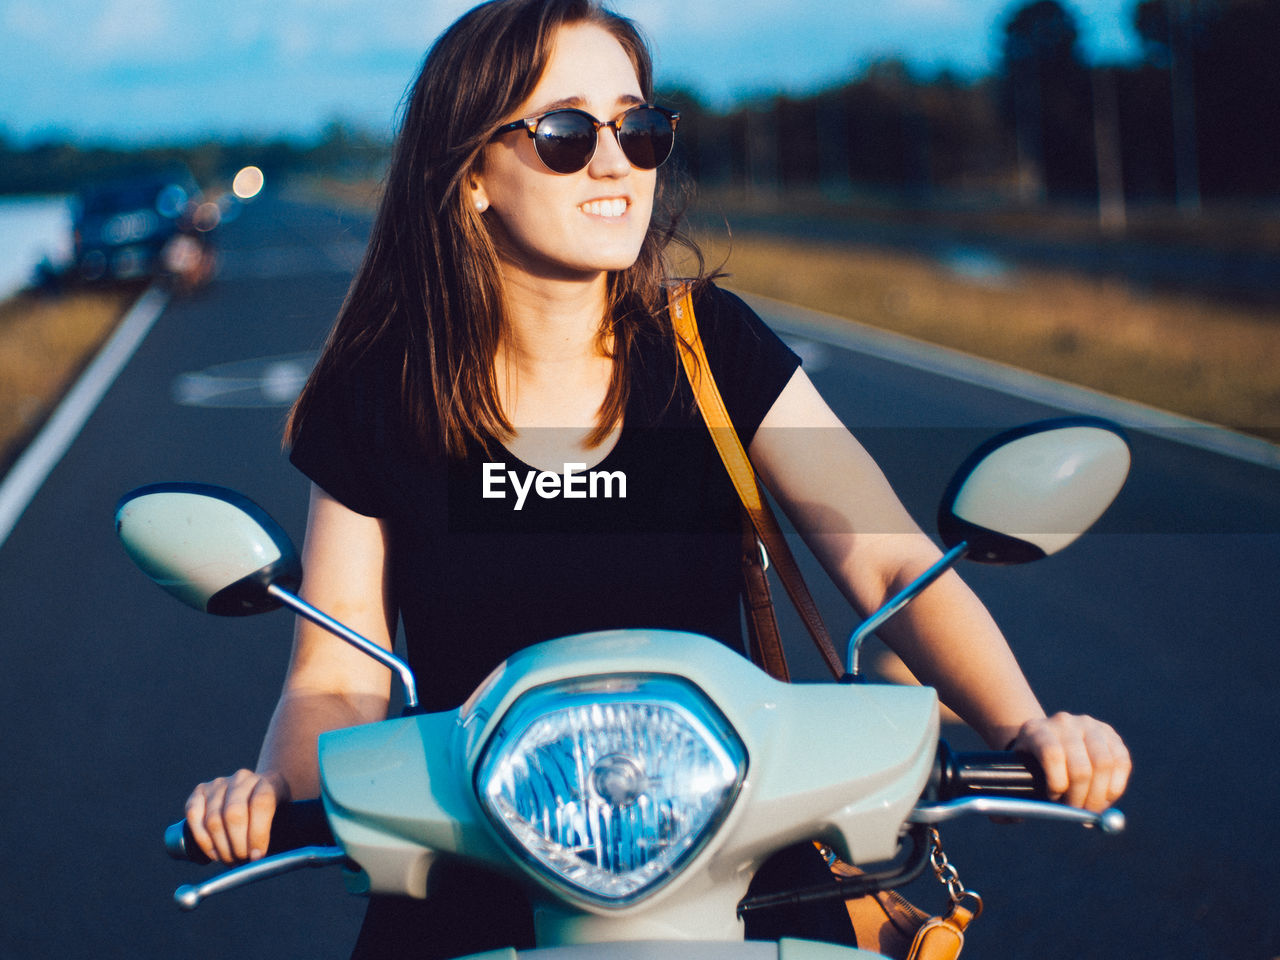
(188, 897)
(1108, 821)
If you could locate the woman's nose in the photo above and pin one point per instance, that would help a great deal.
(608, 161)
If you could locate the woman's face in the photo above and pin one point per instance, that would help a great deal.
(576, 225)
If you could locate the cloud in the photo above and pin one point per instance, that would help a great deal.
(77, 34)
(25, 20)
(60, 58)
(129, 28)
(949, 9)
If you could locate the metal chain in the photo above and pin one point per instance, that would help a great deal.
(947, 875)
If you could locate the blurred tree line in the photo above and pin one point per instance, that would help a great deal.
(1193, 117)
(60, 166)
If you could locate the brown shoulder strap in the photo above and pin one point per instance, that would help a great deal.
(763, 639)
(725, 438)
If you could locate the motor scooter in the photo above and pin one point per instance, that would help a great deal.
(635, 780)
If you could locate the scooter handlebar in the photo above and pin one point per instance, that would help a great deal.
(301, 823)
(993, 773)
(998, 784)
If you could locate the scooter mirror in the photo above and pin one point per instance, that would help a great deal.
(210, 547)
(1028, 493)
(1022, 495)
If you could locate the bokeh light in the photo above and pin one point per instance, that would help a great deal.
(207, 217)
(247, 183)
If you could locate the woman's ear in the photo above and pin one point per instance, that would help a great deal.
(479, 197)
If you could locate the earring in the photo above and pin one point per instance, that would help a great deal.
(482, 205)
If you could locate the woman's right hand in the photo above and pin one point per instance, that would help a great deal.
(230, 817)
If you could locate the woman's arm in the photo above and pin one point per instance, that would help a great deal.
(850, 517)
(328, 685)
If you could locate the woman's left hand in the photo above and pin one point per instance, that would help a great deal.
(1085, 762)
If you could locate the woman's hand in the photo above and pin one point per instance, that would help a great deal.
(328, 685)
(1085, 762)
(230, 817)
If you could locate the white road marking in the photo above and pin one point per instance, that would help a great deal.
(259, 382)
(35, 464)
(791, 321)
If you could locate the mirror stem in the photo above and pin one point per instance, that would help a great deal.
(908, 593)
(320, 619)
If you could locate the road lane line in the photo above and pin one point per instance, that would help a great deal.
(33, 467)
(840, 332)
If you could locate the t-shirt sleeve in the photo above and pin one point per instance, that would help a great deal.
(750, 362)
(343, 441)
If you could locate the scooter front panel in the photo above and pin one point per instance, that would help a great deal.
(686, 950)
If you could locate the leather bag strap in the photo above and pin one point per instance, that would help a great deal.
(694, 358)
(764, 641)
(942, 938)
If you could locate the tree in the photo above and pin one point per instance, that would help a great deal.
(1221, 57)
(1045, 97)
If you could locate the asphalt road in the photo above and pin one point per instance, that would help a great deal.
(116, 699)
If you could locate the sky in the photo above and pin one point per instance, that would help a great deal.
(133, 71)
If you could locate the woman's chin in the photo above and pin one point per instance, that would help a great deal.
(582, 269)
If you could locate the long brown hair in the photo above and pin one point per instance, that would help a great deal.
(430, 280)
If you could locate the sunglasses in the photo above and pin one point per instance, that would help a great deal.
(565, 140)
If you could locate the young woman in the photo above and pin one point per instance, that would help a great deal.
(508, 321)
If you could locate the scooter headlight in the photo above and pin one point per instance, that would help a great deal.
(610, 785)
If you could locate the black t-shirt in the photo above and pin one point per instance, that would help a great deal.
(488, 557)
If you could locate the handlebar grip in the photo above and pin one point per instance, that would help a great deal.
(994, 773)
(300, 823)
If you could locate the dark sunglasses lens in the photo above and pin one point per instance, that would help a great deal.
(646, 136)
(565, 141)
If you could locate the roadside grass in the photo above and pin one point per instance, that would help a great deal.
(359, 195)
(1194, 356)
(1222, 226)
(46, 339)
